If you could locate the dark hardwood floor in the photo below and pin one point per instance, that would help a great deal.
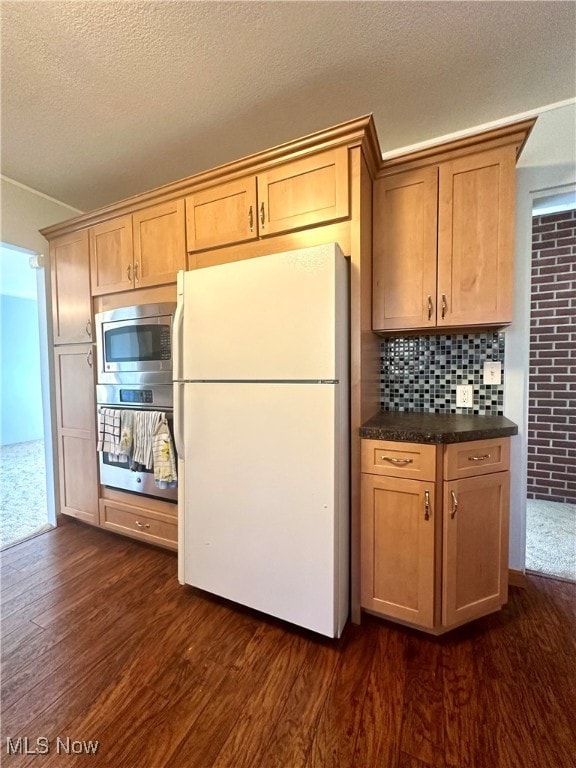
(101, 643)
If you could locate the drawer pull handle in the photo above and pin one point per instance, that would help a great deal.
(426, 505)
(479, 458)
(396, 461)
(142, 525)
(454, 505)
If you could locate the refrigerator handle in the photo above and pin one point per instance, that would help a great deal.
(178, 419)
(177, 338)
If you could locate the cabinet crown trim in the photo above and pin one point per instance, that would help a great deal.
(514, 133)
(358, 132)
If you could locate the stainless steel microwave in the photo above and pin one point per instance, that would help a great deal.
(134, 344)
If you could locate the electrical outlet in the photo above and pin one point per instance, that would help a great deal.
(464, 396)
(492, 372)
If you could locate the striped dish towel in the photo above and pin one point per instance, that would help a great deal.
(144, 425)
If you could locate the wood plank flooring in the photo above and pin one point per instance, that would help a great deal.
(101, 643)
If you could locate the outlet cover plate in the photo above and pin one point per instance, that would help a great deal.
(492, 372)
(464, 396)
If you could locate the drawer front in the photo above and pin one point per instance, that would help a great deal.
(395, 459)
(477, 457)
(145, 525)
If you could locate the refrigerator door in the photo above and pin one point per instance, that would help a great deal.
(265, 522)
(277, 317)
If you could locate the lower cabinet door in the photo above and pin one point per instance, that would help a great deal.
(475, 547)
(398, 521)
(76, 420)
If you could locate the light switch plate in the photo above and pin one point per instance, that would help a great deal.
(492, 372)
(464, 396)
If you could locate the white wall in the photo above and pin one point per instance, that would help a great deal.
(547, 163)
(23, 212)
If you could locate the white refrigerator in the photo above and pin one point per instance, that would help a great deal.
(261, 398)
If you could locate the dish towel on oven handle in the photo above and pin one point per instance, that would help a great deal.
(165, 475)
(109, 420)
(143, 427)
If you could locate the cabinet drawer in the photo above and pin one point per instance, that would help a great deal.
(384, 457)
(146, 525)
(477, 457)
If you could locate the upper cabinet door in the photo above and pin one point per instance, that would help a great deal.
(111, 256)
(222, 215)
(475, 238)
(405, 223)
(159, 243)
(304, 192)
(70, 277)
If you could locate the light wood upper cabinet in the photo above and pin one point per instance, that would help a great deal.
(76, 427)
(70, 279)
(159, 244)
(292, 195)
(222, 214)
(476, 238)
(443, 243)
(304, 192)
(406, 216)
(144, 249)
(111, 256)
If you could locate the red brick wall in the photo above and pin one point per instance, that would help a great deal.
(552, 393)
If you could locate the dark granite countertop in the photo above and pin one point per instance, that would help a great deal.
(435, 427)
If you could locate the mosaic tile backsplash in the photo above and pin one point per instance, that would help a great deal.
(420, 373)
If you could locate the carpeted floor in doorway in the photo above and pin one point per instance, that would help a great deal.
(551, 538)
(22, 491)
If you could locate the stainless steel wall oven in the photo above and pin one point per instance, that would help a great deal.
(134, 358)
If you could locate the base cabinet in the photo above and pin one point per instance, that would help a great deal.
(398, 519)
(434, 549)
(150, 520)
(475, 546)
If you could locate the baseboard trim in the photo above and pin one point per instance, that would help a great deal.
(517, 578)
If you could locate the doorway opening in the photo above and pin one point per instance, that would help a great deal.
(551, 486)
(26, 460)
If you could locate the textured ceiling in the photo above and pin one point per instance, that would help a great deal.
(102, 100)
